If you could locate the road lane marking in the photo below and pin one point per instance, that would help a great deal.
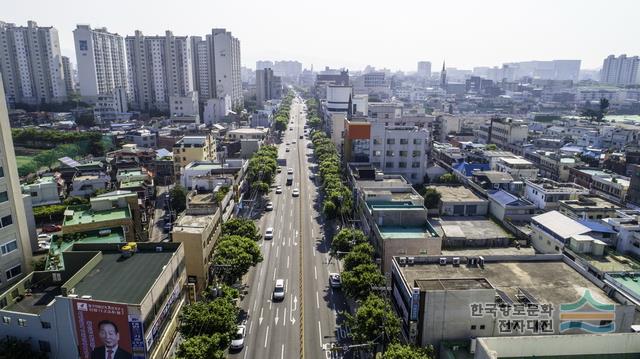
(315, 272)
(274, 273)
(287, 262)
(282, 352)
(250, 324)
(277, 318)
(319, 333)
(266, 337)
(246, 350)
(317, 301)
(277, 252)
(260, 319)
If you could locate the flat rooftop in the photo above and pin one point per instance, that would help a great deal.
(131, 184)
(205, 166)
(192, 224)
(398, 232)
(611, 261)
(548, 281)
(36, 302)
(94, 237)
(456, 194)
(495, 251)
(515, 161)
(589, 203)
(85, 216)
(471, 228)
(121, 280)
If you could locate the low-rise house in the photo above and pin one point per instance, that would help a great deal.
(460, 201)
(553, 230)
(547, 194)
(517, 167)
(603, 183)
(627, 224)
(492, 180)
(505, 206)
(84, 185)
(206, 175)
(588, 207)
(48, 189)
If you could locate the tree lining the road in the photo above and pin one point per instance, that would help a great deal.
(374, 322)
(345, 240)
(281, 120)
(241, 227)
(400, 351)
(338, 197)
(235, 255)
(208, 327)
(262, 168)
(202, 346)
(178, 195)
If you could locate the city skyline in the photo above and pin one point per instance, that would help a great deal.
(442, 28)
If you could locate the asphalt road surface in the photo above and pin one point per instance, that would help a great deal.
(301, 324)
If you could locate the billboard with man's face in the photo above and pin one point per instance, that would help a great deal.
(102, 329)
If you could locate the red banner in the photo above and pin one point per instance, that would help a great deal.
(102, 329)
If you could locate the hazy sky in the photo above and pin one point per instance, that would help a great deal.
(355, 33)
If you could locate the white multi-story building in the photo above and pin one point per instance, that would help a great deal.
(216, 66)
(31, 64)
(111, 107)
(101, 61)
(400, 150)
(15, 244)
(621, 70)
(159, 67)
(185, 108)
(424, 69)
(547, 194)
(67, 69)
(264, 64)
(288, 69)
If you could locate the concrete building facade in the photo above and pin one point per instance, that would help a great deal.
(31, 64)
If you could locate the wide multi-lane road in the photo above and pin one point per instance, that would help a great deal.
(306, 319)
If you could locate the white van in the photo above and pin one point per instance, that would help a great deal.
(278, 290)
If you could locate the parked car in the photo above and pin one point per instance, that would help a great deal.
(44, 237)
(238, 339)
(50, 228)
(290, 171)
(334, 280)
(287, 149)
(44, 244)
(269, 206)
(278, 189)
(278, 290)
(268, 234)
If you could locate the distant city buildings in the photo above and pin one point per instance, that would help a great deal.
(424, 69)
(268, 86)
(621, 70)
(31, 64)
(101, 61)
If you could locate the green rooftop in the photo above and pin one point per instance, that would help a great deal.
(94, 237)
(120, 280)
(631, 281)
(85, 215)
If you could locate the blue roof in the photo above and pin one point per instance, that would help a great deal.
(596, 226)
(468, 168)
(502, 197)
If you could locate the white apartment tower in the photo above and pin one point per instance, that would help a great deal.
(15, 244)
(621, 70)
(31, 64)
(216, 63)
(424, 69)
(159, 67)
(101, 61)
(68, 75)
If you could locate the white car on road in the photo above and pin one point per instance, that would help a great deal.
(278, 290)
(268, 234)
(296, 192)
(278, 189)
(238, 339)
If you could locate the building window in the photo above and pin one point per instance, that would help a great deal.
(415, 164)
(473, 327)
(390, 154)
(13, 272)
(6, 320)
(388, 165)
(402, 165)
(391, 141)
(9, 247)
(417, 141)
(1, 172)
(22, 322)
(6, 221)
(415, 153)
(46, 325)
(403, 153)
(404, 141)
(4, 196)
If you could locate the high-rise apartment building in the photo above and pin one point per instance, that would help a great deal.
(15, 244)
(264, 64)
(268, 86)
(159, 67)
(621, 70)
(68, 75)
(101, 61)
(289, 69)
(31, 64)
(424, 69)
(216, 66)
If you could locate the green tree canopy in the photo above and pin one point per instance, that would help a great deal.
(357, 282)
(218, 316)
(237, 254)
(202, 346)
(360, 254)
(399, 351)
(344, 240)
(241, 227)
(374, 321)
(448, 178)
(432, 198)
(178, 198)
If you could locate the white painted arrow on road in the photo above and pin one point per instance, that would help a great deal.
(260, 319)
(277, 310)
